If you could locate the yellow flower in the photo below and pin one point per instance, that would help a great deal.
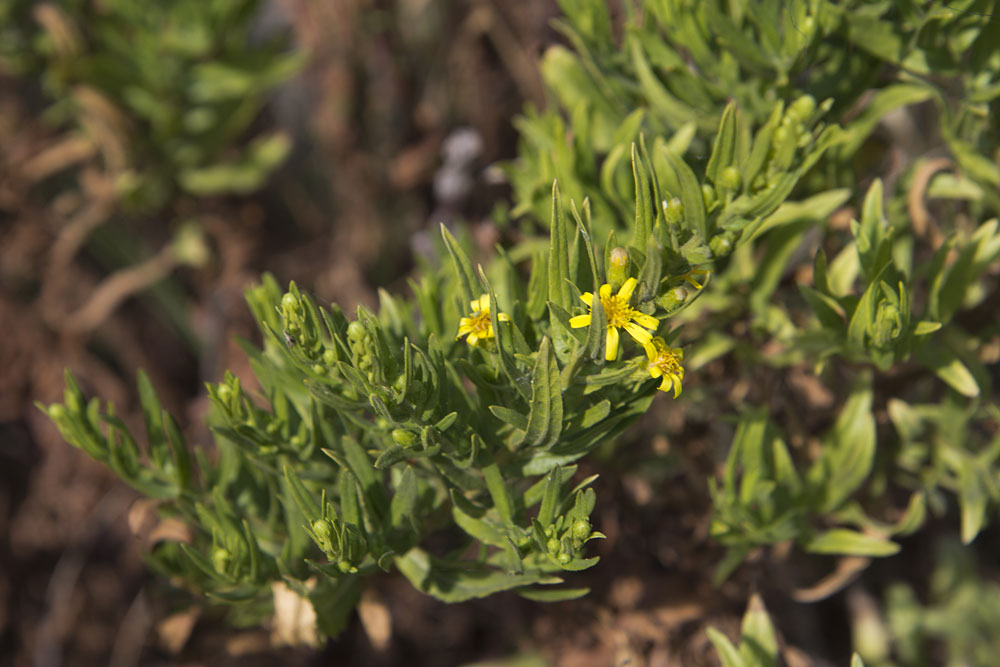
(477, 325)
(619, 316)
(665, 362)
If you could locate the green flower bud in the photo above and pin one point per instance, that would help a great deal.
(57, 412)
(708, 194)
(618, 267)
(673, 211)
(318, 369)
(721, 245)
(225, 393)
(552, 545)
(730, 180)
(289, 304)
(672, 299)
(322, 528)
(580, 530)
(564, 558)
(404, 438)
(803, 107)
(356, 332)
(346, 567)
(220, 559)
(329, 357)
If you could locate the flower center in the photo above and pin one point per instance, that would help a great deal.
(480, 323)
(617, 311)
(667, 362)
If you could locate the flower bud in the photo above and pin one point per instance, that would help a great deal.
(322, 528)
(707, 194)
(672, 299)
(220, 558)
(329, 357)
(580, 530)
(673, 211)
(721, 245)
(803, 107)
(356, 331)
(618, 267)
(564, 558)
(404, 438)
(552, 545)
(730, 180)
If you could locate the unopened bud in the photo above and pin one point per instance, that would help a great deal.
(404, 438)
(618, 267)
(730, 179)
(581, 529)
(673, 211)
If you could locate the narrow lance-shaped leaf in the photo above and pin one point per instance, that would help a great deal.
(463, 267)
(559, 291)
(545, 416)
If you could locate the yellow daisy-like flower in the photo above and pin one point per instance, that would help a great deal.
(619, 316)
(665, 362)
(478, 325)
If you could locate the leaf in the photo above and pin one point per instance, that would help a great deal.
(758, 642)
(643, 210)
(690, 195)
(553, 594)
(948, 367)
(841, 541)
(972, 498)
(463, 267)
(458, 582)
(546, 413)
(724, 147)
(559, 291)
(403, 508)
(498, 492)
(728, 655)
(849, 450)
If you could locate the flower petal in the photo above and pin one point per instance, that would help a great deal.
(587, 298)
(666, 384)
(625, 293)
(472, 339)
(677, 386)
(503, 317)
(645, 320)
(655, 371)
(612, 342)
(605, 292)
(638, 333)
(650, 348)
(580, 321)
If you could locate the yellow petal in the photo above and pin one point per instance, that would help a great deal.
(587, 298)
(655, 371)
(503, 317)
(638, 333)
(605, 292)
(650, 350)
(666, 384)
(645, 320)
(579, 321)
(677, 386)
(464, 322)
(612, 343)
(625, 293)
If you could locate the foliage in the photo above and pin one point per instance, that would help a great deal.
(780, 243)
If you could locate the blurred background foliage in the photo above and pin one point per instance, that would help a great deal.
(172, 152)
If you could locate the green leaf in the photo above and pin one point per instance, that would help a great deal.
(728, 655)
(458, 582)
(758, 642)
(546, 413)
(403, 508)
(849, 451)
(559, 238)
(724, 148)
(841, 541)
(643, 203)
(463, 267)
(553, 594)
(498, 492)
(690, 195)
(947, 366)
(973, 497)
